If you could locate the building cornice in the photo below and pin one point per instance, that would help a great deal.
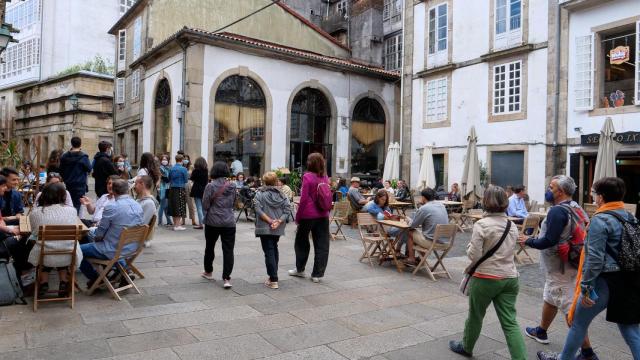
(106, 114)
(65, 97)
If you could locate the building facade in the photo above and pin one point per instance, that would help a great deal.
(265, 98)
(54, 35)
(57, 109)
(481, 64)
(599, 71)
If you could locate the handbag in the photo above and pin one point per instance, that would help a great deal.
(469, 271)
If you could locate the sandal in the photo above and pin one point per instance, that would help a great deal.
(208, 276)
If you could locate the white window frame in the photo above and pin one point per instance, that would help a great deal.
(511, 36)
(392, 11)
(122, 49)
(584, 67)
(135, 84)
(437, 56)
(393, 52)
(510, 92)
(120, 89)
(125, 5)
(20, 57)
(436, 100)
(637, 87)
(137, 38)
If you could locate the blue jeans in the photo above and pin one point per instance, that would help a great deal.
(164, 209)
(89, 250)
(583, 317)
(198, 202)
(271, 255)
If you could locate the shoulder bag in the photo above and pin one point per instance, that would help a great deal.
(464, 284)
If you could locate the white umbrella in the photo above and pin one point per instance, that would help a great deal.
(607, 151)
(427, 175)
(471, 173)
(392, 162)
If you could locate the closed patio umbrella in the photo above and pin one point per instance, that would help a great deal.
(392, 163)
(471, 173)
(427, 175)
(607, 151)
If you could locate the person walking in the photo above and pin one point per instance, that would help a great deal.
(178, 177)
(495, 279)
(164, 189)
(74, 168)
(603, 283)
(311, 218)
(217, 203)
(272, 209)
(200, 178)
(191, 206)
(102, 167)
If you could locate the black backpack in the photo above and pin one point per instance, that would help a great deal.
(10, 290)
(629, 248)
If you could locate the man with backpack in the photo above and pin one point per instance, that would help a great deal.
(560, 241)
(74, 168)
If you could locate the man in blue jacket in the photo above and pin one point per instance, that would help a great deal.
(74, 168)
(11, 202)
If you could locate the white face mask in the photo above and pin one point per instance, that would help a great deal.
(164, 162)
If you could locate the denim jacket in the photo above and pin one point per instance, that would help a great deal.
(601, 248)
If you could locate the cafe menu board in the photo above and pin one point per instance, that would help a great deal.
(630, 137)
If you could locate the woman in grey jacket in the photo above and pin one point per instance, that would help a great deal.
(271, 208)
(217, 203)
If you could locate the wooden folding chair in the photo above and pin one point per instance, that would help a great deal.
(373, 238)
(339, 196)
(530, 227)
(590, 209)
(438, 249)
(50, 234)
(150, 232)
(339, 217)
(128, 236)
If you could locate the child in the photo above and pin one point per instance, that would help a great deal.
(271, 213)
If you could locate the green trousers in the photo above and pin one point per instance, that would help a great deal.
(503, 294)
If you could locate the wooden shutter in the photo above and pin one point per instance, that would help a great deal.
(584, 69)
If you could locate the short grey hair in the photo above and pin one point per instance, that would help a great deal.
(566, 184)
(120, 187)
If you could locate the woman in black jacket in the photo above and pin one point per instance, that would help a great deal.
(200, 180)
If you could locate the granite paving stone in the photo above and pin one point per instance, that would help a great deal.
(40, 338)
(380, 343)
(150, 341)
(157, 354)
(308, 335)
(314, 353)
(224, 329)
(245, 347)
(333, 311)
(149, 311)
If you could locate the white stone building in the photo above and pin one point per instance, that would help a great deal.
(482, 64)
(600, 45)
(54, 35)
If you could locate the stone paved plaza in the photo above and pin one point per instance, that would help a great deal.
(357, 311)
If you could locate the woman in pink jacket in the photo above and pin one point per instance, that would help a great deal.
(311, 218)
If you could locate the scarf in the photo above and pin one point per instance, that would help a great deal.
(614, 205)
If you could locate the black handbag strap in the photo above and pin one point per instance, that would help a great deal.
(493, 250)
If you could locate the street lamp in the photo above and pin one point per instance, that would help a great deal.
(5, 37)
(73, 99)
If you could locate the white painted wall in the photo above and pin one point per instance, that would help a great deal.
(580, 24)
(470, 95)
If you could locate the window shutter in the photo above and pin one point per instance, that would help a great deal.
(584, 73)
(637, 63)
(120, 91)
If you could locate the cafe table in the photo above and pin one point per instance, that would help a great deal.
(391, 243)
(401, 206)
(542, 215)
(25, 225)
(449, 203)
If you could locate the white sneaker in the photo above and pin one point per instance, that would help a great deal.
(208, 276)
(147, 243)
(227, 284)
(179, 228)
(315, 279)
(296, 273)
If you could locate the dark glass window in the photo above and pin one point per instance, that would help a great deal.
(162, 114)
(368, 139)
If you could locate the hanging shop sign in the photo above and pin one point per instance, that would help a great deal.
(630, 137)
(619, 55)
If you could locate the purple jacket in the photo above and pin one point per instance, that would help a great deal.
(308, 208)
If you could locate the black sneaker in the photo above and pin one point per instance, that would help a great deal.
(63, 289)
(538, 334)
(456, 347)
(547, 356)
(43, 289)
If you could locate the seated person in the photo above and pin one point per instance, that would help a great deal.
(517, 207)
(27, 176)
(355, 198)
(428, 216)
(148, 202)
(403, 193)
(388, 188)
(10, 236)
(52, 209)
(11, 204)
(454, 194)
(342, 187)
(239, 183)
(56, 178)
(97, 209)
(124, 212)
(285, 189)
(377, 206)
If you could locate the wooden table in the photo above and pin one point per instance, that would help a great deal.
(540, 214)
(401, 206)
(404, 227)
(25, 225)
(449, 203)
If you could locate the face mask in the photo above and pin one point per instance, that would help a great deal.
(109, 152)
(120, 164)
(164, 162)
(185, 162)
(548, 196)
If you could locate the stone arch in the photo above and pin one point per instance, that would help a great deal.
(387, 125)
(242, 71)
(314, 84)
(162, 76)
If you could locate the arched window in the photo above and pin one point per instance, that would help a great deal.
(162, 118)
(240, 109)
(368, 135)
(310, 124)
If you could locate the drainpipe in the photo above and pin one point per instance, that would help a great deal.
(404, 31)
(556, 95)
(184, 103)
